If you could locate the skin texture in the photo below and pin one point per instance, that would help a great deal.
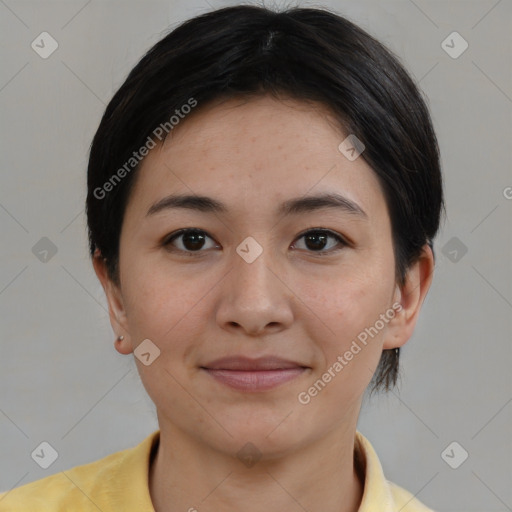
(290, 302)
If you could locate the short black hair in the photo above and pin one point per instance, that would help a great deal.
(302, 53)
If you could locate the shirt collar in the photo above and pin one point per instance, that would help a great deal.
(377, 492)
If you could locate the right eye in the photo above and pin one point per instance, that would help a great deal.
(189, 240)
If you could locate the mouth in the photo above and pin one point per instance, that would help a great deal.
(253, 375)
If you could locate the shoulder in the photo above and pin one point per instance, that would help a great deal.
(63, 491)
(104, 484)
(60, 491)
(379, 493)
(405, 501)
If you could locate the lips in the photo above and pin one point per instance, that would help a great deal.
(253, 375)
(247, 364)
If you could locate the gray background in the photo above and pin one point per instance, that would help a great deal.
(61, 380)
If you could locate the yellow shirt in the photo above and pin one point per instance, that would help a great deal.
(119, 483)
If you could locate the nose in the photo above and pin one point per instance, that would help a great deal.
(255, 298)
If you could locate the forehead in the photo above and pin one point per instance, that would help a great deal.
(261, 152)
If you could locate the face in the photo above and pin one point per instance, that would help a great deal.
(241, 275)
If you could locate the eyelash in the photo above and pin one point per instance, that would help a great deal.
(167, 242)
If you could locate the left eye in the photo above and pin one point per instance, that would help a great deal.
(316, 240)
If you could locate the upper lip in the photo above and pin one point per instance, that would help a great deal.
(247, 364)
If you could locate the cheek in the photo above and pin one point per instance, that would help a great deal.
(166, 305)
(347, 307)
(349, 297)
(348, 354)
(167, 310)
(154, 299)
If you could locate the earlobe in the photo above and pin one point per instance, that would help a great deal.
(411, 296)
(116, 309)
(122, 345)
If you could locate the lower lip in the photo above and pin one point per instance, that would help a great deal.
(260, 380)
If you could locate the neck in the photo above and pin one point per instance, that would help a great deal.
(186, 475)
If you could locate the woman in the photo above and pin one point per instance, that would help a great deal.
(263, 193)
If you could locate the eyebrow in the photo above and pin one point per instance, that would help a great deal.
(289, 207)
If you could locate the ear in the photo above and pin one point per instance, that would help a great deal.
(411, 296)
(116, 309)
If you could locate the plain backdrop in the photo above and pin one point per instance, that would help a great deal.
(61, 381)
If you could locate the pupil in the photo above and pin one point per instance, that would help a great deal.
(317, 236)
(193, 240)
